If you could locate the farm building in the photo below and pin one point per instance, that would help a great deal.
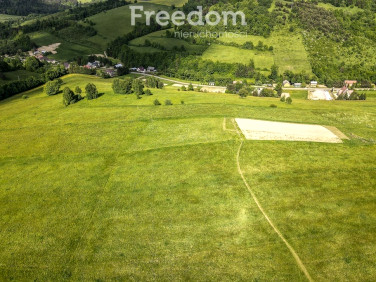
(297, 85)
(313, 84)
(110, 72)
(345, 92)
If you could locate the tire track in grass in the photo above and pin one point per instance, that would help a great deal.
(291, 249)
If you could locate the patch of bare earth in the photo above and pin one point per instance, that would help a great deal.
(283, 131)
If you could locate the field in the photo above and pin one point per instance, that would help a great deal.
(67, 50)
(159, 37)
(5, 17)
(229, 54)
(116, 22)
(349, 10)
(289, 52)
(119, 189)
(177, 3)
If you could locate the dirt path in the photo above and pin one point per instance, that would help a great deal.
(293, 252)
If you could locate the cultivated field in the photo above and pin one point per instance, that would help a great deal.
(119, 189)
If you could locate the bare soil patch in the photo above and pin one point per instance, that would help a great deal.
(283, 131)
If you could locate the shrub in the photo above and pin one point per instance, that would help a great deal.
(273, 106)
(68, 96)
(278, 88)
(289, 100)
(168, 103)
(78, 90)
(182, 102)
(243, 93)
(60, 81)
(148, 92)
(354, 96)
(25, 97)
(153, 82)
(183, 88)
(122, 86)
(52, 88)
(283, 99)
(267, 92)
(157, 103)
(138, 87)
(91, 91)
(190, 87)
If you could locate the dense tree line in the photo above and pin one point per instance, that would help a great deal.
(26, 7)
(45, 73)
(364, 4)
(12, 88)
(20, 43)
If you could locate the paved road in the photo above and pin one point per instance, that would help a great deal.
(203, 85)
(177, 82)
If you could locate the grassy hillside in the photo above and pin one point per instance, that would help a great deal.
(288, 49)
(159, 37)
(229, 54)
(116, 22)
(119, 189)
(4, 17)
(177, 3)
(66, 50)
(348, 10)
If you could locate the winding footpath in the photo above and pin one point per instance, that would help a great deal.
(293, 252)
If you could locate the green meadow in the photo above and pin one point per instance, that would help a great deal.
(160, 38)
(348, 10)
(229, 54)
(288, 50)
(5, 17)
(177, 3)
(116, 22)
(119, 189)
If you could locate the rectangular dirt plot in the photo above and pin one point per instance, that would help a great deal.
(270, 130)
